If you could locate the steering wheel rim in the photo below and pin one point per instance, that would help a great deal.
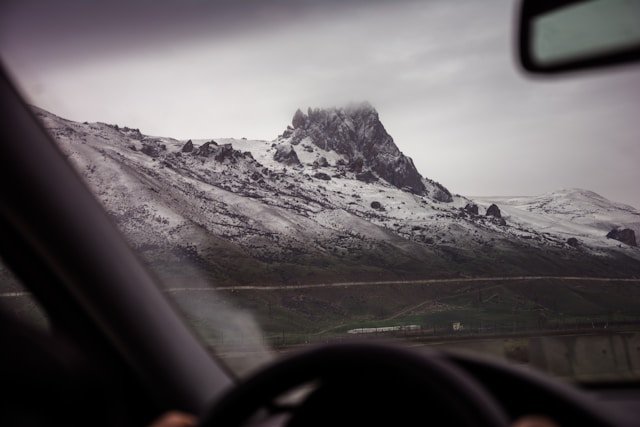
(347, 362)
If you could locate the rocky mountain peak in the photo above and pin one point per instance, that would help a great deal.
(357, 133)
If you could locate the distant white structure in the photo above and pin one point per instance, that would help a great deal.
(457, 326)
(384, 329)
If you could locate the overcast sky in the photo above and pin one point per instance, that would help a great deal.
(440, 73)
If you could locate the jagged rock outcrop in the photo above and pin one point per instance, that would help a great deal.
(153, 148)
(321, 162)
(187, 147)
(437, 191)
(494, 211)
(206, 149)
(222, 153)
(366, 176)
(625, 235)
(298, 119)
(132, 133)
(225, 152)
(356, 165)
(572, 241)
(357, 133)
(323, 176)
(286, 154)
(471, 208)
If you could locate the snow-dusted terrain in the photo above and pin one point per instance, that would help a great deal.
(570, 212)
(331, 199)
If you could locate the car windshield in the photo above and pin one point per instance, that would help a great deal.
(298, 173)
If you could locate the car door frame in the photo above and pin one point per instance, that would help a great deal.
(67, 251)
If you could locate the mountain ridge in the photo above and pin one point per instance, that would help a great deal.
(233, 213)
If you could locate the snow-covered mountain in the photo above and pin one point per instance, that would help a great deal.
(356, 134)
(570, 212)
(331, 199)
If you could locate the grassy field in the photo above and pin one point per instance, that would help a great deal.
(520, 320)
(289, 316)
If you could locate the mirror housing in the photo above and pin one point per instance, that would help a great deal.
(565, 35)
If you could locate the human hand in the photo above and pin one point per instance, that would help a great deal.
(175, 419)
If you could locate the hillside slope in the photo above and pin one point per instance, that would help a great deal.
(331, 199)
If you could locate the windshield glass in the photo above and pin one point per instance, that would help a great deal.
(299, 173)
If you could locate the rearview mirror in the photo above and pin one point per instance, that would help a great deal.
(563, 35)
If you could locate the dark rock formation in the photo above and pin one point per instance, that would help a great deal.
(321, 162)
(225, 152)
(298, 119)
(132, 133)
(356, 165)
(206, 149)
(322, 176)
(366, 176)
(357, 133)
(438, 192)
(472, 208)
(187, 147)
(494, 211)
(625, 235)
(152, 149)
(572, 241)
(287, 155)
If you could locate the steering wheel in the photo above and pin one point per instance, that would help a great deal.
(364, 384)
